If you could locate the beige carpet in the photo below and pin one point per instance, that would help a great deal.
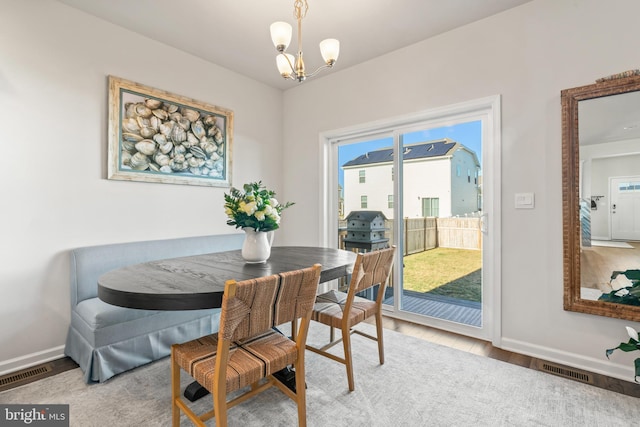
(421, 384)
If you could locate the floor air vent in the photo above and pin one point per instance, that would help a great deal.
(564, 371)
(24, 375)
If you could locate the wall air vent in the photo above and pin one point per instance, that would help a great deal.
(23, 375)
(564, 371)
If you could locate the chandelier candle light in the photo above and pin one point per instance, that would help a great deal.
(291, 67)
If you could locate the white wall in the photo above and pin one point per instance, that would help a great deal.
(527, 55)
(377, 186)
(54, 62)
(432, 178)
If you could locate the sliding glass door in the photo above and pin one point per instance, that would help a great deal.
(424, 180)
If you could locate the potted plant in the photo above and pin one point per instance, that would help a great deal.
(256, 211)
(632, 345)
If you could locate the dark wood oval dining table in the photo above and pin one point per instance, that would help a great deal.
(197, 281)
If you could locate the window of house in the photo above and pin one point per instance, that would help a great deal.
(457, 170)
(361, 176)
(468, 175)
(390, 201)
(363, 202)
(430, 206)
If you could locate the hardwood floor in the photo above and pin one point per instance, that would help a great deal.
(486, 349)
(449, 339)
(597, 263)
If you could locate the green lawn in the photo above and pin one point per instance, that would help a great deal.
(443, 271)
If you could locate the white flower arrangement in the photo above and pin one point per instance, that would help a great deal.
(255, 207)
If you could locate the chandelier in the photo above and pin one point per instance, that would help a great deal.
(291, 67)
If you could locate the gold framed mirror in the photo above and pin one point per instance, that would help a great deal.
(601, 195)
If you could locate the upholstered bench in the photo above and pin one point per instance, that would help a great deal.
(106, 340)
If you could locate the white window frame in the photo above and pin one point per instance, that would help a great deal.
(485, 109)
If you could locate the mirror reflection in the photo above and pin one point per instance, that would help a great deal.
(609, 140)
(601, 197)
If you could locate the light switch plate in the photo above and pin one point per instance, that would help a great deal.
(525, 200)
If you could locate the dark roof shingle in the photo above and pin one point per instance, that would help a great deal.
(417, 151)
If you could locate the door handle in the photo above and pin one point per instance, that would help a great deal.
(484, 225)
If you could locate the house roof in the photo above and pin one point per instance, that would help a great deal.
(421, 150)
(366, 215)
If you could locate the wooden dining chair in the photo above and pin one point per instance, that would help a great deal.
(345, 310)
(247, 350)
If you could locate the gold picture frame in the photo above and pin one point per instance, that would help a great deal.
(157, 136)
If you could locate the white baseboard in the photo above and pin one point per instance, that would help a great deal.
(29, 360)
(596, 366)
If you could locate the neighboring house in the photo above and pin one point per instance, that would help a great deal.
(441, 178)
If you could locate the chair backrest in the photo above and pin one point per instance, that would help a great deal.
(253, 306)
(371, 268)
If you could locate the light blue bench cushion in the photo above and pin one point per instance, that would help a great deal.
(105, 339)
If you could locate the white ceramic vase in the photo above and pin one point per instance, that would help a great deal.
(257, 246)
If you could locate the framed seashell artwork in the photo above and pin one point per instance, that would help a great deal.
(157, 136)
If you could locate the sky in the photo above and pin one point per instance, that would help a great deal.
(468, 134)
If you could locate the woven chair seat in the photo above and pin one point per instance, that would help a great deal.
(329, 309)
(249, 361)
(248, 349)
(345, 310)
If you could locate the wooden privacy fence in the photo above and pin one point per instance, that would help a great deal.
(421, 234)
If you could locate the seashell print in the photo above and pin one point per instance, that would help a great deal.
(161, 114)
(130, 110)
(193, 162)
(129, 145)
(166, 147)
(132, 137)
(125, 158)
(198, 152)
(166, 128)
(189, 114)
(193, 140)
(178, 134)
(155, 123)
(152, 103)
(198, 129)
(142, 110)
(139, 162)
(143, 122)
(209, 148)
(161, 159)
(130, 125)
(218, 137)
(171, 108)
(162, 137)
(146, 147)
(148, 132)
(209, 120)
(184, 123)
